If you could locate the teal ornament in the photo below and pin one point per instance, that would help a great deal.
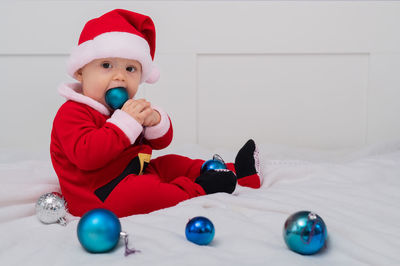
(305, 232)
(116, 97)
(99, 230)
(214, 164)
(200, 230)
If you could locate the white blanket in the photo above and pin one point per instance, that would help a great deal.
(356, 193)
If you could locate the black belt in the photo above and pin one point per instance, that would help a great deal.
(136, 166)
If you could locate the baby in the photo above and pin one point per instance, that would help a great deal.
(102, 156)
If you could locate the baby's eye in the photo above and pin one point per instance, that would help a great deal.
(131, 69)
(106, 65)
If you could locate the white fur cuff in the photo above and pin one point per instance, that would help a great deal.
(127, 124)
(159, 130)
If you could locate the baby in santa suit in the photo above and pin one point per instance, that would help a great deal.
(102, 156)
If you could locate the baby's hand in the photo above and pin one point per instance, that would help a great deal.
(153, 119)
(138, 109)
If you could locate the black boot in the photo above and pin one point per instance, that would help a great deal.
(215, 181)
(245, 162)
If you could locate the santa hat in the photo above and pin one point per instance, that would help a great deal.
(118, 33)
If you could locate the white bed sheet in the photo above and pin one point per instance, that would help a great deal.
(357, 194)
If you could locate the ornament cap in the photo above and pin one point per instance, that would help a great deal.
(62, 221)
(128, 251)
(217, 157)
(312, 216)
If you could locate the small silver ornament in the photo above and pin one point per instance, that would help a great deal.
(51, 208)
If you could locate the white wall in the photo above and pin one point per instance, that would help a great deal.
(322, 74)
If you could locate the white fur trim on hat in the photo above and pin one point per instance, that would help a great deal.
(114, 44)
(127, 124)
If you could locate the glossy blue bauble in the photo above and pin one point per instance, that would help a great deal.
(212, 164)
(116, 97)
(305, 232)
(200, 230)
(99, 230)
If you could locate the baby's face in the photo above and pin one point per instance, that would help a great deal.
(100, 75)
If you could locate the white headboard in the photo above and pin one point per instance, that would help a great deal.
(319, 74)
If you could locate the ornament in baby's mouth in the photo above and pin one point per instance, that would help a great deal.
(116, 97)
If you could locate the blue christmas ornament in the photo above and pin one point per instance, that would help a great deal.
(214, 164)
(200, 230)
(305, 232)
(99, 230)
(116, 97)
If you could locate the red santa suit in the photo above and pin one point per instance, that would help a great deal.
(103, 159)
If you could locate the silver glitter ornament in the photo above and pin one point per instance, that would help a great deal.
(52, 208)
